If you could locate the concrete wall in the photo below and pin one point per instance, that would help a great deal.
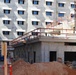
(26, 52)
(60, 48)
(50, 46)
(42, 50)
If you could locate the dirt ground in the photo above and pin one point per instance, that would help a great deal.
(48, 68)
(20, 67)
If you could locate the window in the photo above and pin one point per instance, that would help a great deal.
(48, 3)
(20, 22)
(6, 32)
(6, 21)
(35, 12)
(48, 23)
(61, 4)
(34, 22)
(6, 11)
(21, 1)
(20, 33)
(59, 23)
(35, 2)
(49, 13)
(6, 1)
(21, 12)
(34, 33)
(72, 15)
(60, 14)
(72, 5)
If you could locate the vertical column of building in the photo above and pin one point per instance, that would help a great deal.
(75, 17)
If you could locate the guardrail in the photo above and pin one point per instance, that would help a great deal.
(66, 33)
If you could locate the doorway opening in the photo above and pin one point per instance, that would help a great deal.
(52, 56)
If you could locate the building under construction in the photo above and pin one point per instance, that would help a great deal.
(20, 16)
(48, 44)
(45, 45)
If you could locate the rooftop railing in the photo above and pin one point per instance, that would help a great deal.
(49, 32)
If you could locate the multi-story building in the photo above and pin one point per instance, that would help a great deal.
(20, 16)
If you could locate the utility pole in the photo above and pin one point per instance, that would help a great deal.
(4, 53)
(74, 29)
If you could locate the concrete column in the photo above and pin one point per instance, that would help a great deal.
(60, 52)
(45, 52)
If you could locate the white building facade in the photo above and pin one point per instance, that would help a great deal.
(20, 16)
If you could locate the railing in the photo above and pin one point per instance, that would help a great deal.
(65, 33)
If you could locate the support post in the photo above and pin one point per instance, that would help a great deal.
(74, 29)
(4, 53)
